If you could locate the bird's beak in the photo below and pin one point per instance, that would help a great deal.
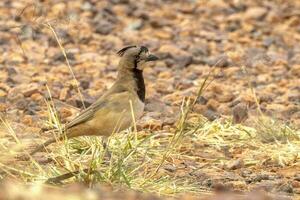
(151, 57)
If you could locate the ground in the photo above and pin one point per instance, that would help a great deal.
(240, 133)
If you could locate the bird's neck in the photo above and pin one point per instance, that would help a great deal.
(133, 79)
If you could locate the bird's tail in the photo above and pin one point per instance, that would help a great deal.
(67, 133)
(45, 144)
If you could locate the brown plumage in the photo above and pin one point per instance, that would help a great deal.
(112, 112)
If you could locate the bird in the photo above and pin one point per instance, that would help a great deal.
(114, 110)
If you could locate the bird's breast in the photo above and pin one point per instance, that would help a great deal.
(117, 118)
(138, 108)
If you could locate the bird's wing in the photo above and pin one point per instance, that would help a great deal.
(85, 115)
(111, 102)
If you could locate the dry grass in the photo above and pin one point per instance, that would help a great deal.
(139, 159)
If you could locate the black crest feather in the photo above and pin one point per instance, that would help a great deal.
(122, 51)
(144, 49)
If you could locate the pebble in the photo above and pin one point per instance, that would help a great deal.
(27, 119)
(210, 114)
(30, 89)
(224, 98)
(202, 100)
(14, 94)
(213, 104)
(65, 113)
(3, 107)
(3, 93)
(255, 13)
(235, 164)
(103, 27)
(240, 113)
(224, 109)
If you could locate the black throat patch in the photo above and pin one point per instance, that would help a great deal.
(139, 81)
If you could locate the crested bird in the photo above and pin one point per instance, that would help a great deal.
(112, 112)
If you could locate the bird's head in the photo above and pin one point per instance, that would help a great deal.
(135, 57)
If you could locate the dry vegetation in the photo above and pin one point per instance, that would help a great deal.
(187, 142)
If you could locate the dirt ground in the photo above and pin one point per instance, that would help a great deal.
(253, 47)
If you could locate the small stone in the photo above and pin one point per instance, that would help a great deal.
(290, 110)
(65, 113)
(30, 89)
(59, 57)
(31, 108)
(276, 107)
(268, 41)
(224, 109)
(27, 119)
(183, 61)
(85, 84)
(64, 94)
(255, 13)
(163, 34)
(294, 97)
(296, 191)
(86, 6)
(151, 124)
(172, 50)
(187, 8)
(296, 184)
(27, 32)
(285, 188)
(12, 71)
(238, 186)
(3, 107)
(22, 103)
(295, 70)
(210, 114)
(235, 56)
(14, 94)
(198, 108)
(158, 23)
(267, 186)
(4, 87)
(213, 104)
(37, 97)
(219, 187)
(224, 98)
(136, 25)
(266, 97)
(169, 121)
(170, 168)
(202, 100)
(199, 51)
(219, 61)
(240, 113)
(2, 93)
(155, 106)
(261, 177)
(236, 164)
(104, 27)
(185, 85)
(297, 177)
(165, 75)
(217, 88)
